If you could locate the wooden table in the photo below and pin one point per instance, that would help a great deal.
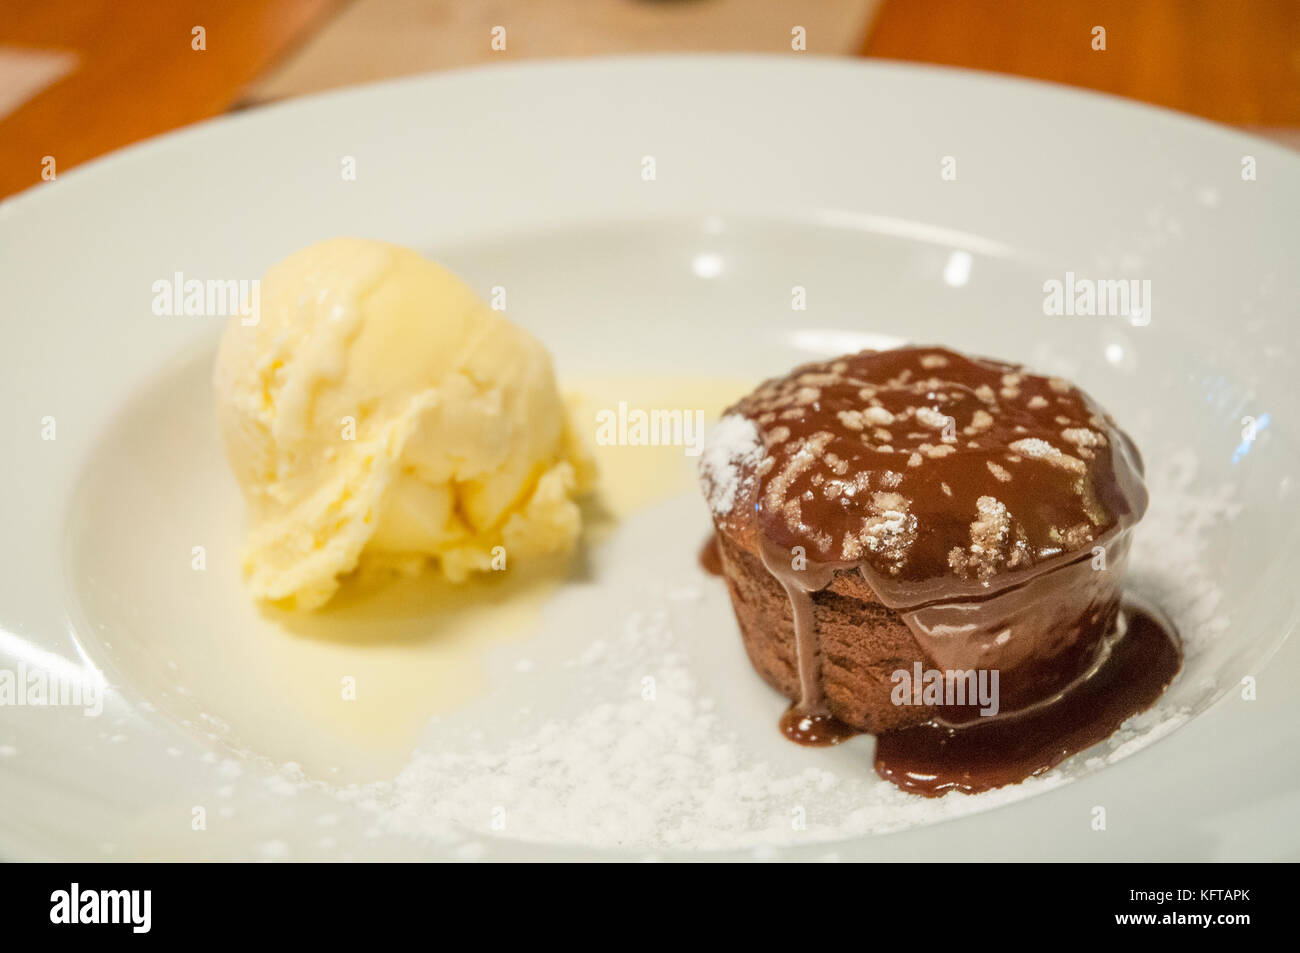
(130, 71)
(1233, 61)
(82, 77)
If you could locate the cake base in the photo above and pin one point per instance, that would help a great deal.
(861, 643)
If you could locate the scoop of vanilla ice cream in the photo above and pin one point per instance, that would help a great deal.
(378, 408)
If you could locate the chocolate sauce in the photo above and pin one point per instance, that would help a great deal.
(711, 556)
(933, 759)
(937, 475)
(800, 582)
(815, 730)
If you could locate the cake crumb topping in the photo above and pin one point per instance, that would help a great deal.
(999, 471)
(1083, 437)
(992, 545)
(1038, 449)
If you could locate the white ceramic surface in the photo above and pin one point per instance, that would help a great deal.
(770, 173)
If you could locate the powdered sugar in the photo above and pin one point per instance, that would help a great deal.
(659, 772)
(732, 446)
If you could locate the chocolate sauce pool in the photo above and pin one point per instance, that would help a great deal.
(933, 759)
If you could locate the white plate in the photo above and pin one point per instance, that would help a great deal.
(770, 173)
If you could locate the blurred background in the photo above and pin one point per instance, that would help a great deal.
(79, 78)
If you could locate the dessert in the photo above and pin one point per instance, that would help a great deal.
(896, 513)
(378, 410)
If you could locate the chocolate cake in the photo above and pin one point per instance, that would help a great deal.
(917, 509)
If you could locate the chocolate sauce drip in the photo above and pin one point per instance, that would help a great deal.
(934, 759)
(800, 582)
(816, 730)
(711, 556)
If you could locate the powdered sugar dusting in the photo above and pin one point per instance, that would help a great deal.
(661, 773)
(733, 446)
